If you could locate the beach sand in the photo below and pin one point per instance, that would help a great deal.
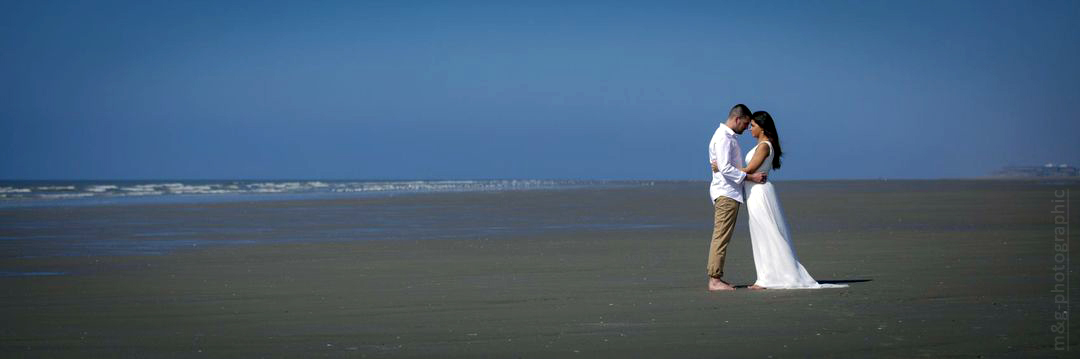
(935, 268)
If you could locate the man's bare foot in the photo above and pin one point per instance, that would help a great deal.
(716, 284)
(757, 287)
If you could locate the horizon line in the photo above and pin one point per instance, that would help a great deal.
(278, 179)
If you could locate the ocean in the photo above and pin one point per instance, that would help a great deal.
(69, 193)
(94, 218)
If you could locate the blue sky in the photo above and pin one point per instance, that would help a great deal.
(596, 90)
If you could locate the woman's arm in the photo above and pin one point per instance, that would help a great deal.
(759, 158)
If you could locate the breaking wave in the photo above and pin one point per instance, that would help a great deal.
(23, 191)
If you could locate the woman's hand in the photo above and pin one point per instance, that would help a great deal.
(715, 168)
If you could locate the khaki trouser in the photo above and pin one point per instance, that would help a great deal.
(727, 210)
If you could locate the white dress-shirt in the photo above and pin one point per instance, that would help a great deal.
(724, 149)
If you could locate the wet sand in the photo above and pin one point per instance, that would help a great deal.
(936, 269)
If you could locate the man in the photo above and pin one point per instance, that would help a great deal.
(726, 190)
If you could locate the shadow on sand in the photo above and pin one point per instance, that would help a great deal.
(825, 281)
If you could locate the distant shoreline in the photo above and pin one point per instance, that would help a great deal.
(987, 177)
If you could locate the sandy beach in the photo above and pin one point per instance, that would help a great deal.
(935, 268)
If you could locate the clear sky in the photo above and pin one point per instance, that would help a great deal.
(545, 89)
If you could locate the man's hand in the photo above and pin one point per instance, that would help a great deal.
(757, 177)
(715, 168)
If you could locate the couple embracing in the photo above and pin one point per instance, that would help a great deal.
(774, 255)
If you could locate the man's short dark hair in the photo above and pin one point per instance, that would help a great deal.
(739, 111)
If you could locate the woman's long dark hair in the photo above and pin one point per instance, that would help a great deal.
(763, 120)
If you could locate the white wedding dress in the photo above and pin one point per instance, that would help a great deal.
(777, 264)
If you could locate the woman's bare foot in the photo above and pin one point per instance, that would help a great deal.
(717, 284)
(757, 287)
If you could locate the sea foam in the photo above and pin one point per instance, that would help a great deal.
(22, 191)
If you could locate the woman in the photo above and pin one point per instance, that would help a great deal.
(774, 256)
